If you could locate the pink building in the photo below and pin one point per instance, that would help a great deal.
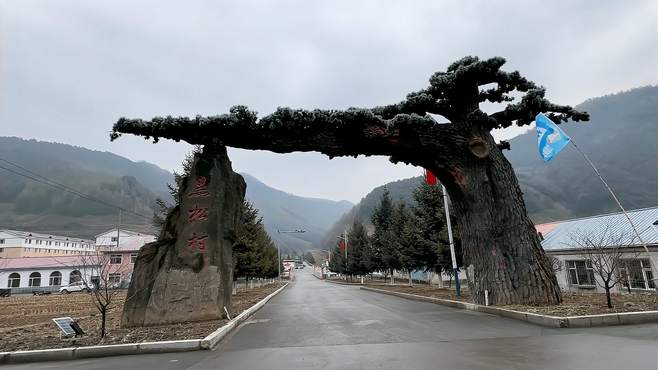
(121, 247)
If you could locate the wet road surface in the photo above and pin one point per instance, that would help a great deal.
(318, 325)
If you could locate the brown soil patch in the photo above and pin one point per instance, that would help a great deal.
(25, 321)
(578, 304)
(574, 304)
(426, 290)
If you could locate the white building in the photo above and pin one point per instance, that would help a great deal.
(122, 258)
(125, 238)
(576, 273)
(16, 244)
(27, 274)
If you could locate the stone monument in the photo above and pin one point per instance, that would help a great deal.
(186, 275)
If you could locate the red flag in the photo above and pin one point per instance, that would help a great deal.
(430, 179)
(342, 245)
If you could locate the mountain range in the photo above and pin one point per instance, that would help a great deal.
(29, 204)
(621, 138)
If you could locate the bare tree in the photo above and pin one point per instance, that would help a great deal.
(104, 272)
(607, 251)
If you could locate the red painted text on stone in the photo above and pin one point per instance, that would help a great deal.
(200, 188)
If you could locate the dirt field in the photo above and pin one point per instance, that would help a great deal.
(574, 304)
(25, 321)
(425, 290)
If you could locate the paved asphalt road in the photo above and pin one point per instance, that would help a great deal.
(317, 325)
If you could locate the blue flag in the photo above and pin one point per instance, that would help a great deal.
(550, 138)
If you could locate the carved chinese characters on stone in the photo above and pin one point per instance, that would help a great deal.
(197, 214)
(197, 242)
(187, 274)
(200, 188)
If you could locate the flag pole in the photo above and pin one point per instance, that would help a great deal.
(612, 193)
(455, 269)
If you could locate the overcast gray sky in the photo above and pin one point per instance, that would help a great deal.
(70, 69)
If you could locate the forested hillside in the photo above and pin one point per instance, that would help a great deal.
(26, 204)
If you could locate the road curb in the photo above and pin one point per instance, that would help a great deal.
(72, 353)
(215, 337)
(585, 321)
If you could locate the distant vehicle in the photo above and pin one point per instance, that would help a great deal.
(78, 286)
(329, 274)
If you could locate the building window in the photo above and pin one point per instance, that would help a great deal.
(115, 239)
(1, 250)
(75, 276)
(115, 259)
(114, 279)
(2, 241)
(581, 273)
(133, 257)
(637, 273)
(55, 279)
(14, 280)
(35, 279)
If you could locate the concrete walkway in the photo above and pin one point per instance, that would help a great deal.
(316, 325)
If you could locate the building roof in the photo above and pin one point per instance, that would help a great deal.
(129, 232)
(561, 235)
(129, 245)
(29, 234)
(43, 262)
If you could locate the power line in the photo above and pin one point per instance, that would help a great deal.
(40, 179)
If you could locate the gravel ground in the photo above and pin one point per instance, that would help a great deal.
(25, 321)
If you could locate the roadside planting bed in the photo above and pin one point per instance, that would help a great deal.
(574, 304)
(25, 321)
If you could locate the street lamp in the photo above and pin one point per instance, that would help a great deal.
(278, 247)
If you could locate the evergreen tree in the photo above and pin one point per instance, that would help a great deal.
(414, 252)
(254, 253)
(337, 262)
(385, 255)
(462, 152)
(430, 218)
(358, 251)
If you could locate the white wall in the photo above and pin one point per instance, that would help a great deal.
(563, 278)
(124, 238)
(10, 240)
(45, 276)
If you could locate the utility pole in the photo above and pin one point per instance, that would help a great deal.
(118, 229)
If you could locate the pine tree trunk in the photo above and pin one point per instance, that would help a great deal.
(392, 278)
(497, 235)
(411, 283)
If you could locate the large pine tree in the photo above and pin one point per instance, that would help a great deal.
(498, 237)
